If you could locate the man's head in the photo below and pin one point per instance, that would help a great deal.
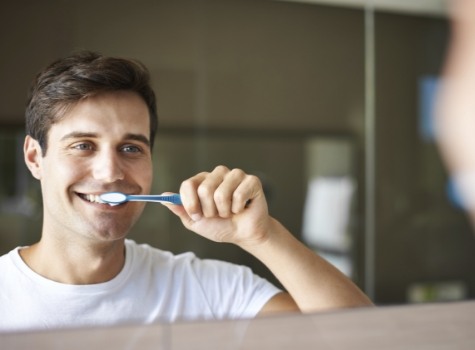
(90, 121)
(69, 80)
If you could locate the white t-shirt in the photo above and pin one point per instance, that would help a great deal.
(153, 286)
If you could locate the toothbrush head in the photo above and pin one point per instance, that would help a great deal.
(113, 198)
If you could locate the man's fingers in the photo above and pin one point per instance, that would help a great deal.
(225, 194)
(219, 193)
(248, 189)
(189, 196)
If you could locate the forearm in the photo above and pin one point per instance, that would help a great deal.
(312, 282)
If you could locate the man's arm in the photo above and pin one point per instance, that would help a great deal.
(313, 283)
(229, 206)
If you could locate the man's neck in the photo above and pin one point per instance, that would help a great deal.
(76, 263)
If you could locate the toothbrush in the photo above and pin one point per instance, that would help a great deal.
(115, 198)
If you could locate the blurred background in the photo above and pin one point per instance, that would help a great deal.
(328, 102)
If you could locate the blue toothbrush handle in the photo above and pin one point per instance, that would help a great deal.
(170, 198)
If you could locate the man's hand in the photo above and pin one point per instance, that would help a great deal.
(224, 206)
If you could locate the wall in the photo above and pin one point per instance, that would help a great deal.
(205, 56)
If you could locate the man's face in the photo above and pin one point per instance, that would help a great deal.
(101, 145)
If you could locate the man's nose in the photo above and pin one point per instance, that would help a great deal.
(107, 167)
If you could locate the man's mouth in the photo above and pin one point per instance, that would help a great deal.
(93, 198)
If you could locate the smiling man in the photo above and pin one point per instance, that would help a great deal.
(101, 145)
(91, 122)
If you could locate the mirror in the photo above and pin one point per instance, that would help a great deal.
(266, 85)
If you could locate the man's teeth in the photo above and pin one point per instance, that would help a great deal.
(94, 198)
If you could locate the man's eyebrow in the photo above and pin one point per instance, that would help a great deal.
(138, 137)
(77, 135)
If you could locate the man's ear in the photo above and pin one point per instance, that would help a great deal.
(33, 155)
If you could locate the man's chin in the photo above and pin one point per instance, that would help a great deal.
(108, 232)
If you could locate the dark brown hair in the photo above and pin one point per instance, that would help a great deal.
(68, 80)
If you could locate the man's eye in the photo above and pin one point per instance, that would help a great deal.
(83, 146)
(131, 149)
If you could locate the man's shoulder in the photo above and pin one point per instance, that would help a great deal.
(7, 257)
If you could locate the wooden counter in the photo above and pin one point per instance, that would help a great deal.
(432, 326)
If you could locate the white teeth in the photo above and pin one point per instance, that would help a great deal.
(93, 198)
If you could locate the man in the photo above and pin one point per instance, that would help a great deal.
(90, 123)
